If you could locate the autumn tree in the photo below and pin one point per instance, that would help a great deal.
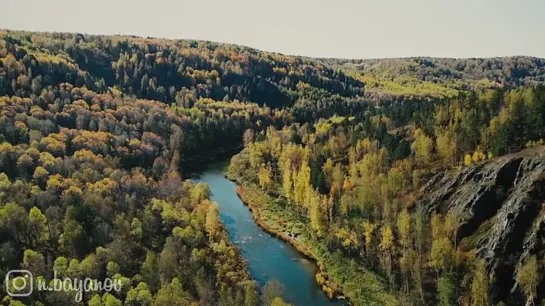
(480, 286)
(422, 147)
(528, 277)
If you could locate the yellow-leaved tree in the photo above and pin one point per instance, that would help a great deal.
(528, 278)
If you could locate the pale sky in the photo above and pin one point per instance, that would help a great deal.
(318, 28)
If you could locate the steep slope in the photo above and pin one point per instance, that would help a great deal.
(499, 209)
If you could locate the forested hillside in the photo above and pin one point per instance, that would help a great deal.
(446, 76)
(98, 134)
(353, 186)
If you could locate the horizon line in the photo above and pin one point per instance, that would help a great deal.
(266, 51)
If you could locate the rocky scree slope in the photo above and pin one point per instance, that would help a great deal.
(499, 204)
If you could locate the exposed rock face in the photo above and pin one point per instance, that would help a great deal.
(499, 204)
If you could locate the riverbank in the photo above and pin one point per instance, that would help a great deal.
(339, 277)
(268, 258)
(261, 223)
(255, 208)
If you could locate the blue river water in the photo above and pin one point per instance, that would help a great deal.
(268, 257)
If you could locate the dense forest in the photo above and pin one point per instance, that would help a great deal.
(99, 134)
(353, 185)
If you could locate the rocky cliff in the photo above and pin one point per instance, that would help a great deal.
(499, 204)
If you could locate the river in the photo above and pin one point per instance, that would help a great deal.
(268, 257)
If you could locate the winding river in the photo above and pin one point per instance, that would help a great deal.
(268, 257)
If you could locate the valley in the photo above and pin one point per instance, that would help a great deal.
(410, 181)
